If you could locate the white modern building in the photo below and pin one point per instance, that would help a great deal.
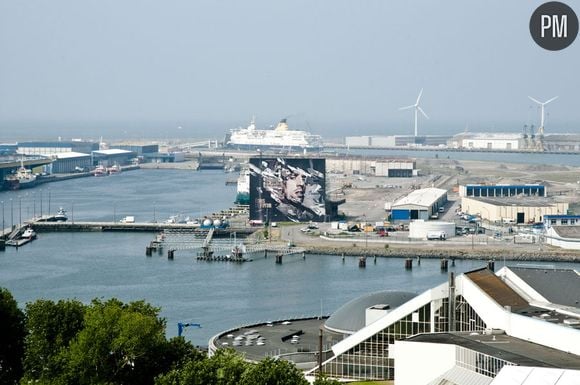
(487, 141)
(467, 330)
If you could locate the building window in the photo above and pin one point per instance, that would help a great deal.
(564, 222)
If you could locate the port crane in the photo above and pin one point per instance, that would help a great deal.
(183, 325)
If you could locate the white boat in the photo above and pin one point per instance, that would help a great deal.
(28, 233)
(60, 215)
(114, 169)
(281, 138)
(100, 170)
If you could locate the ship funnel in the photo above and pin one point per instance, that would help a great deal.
(282, 126)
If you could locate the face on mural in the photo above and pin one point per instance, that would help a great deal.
(294, 187)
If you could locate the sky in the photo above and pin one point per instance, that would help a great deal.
(144, 68)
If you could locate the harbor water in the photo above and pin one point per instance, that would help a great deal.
(217, 295)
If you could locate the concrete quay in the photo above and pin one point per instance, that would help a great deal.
(134, 227)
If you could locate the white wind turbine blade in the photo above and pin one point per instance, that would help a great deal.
(406, 108)
(551, 100)
(535, 100)
(419, 97)
(423, 112)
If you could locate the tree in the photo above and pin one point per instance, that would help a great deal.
(51, 327)
(12, 332)
(226, 367)
(322, 379)
(119, 344)
(273, 372)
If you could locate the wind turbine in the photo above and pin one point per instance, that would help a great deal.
(541, 128)
(416, 107)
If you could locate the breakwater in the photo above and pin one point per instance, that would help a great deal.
(549, 255)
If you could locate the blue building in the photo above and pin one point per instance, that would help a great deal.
(501, 190)
(420, 204)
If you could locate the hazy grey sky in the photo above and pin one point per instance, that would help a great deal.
(333, 63)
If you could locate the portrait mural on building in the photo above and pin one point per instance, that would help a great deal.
(290, 189)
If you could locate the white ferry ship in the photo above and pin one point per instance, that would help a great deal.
(281, 137)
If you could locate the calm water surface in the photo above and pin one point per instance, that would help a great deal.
(217, 295)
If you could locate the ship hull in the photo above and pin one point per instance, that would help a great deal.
(270, 147)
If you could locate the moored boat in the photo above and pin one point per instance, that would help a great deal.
(100, 170)
(28, 233)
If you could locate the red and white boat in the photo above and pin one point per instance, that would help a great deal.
(100, 171)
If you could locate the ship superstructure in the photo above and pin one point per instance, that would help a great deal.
(281, 137)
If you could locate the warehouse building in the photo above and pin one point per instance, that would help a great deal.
(138, 149)
(55, 147)
(392, 168)
(561, 220)
(500, 190)
(395, 141)
(111, 157)
(468, 331)
(69, 162)
(513, 209)
(419, 204)
(487, 141)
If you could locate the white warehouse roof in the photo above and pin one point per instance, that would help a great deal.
(112, 152)
(67, 155)
(425, 197)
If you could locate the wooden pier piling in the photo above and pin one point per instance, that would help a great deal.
(444, 264)
(408, 263)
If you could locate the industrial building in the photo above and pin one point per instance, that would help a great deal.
(512, 209)
(419, 204)
(164, 157)
(138, 149)
(561, 220)
(393, 168)
(487, 141)
(68, 162)
(111, 157)
(55, 147)
(502, 190)
(562, 142)
(395, 141)
(468, 330)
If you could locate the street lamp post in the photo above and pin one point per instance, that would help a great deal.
(19, 210)
(73, 212)
(12, 214)
(3, 226)
(41, 203)
(154, 212)
(114, 211)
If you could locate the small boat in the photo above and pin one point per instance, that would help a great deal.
(115, 169)
(60, 215)
(28, 233)
(100, 170)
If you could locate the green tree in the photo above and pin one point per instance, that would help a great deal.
(51, 327)
(322, 379)
(273, 372)
(12, 332)
(119, 344)
(226, 367)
